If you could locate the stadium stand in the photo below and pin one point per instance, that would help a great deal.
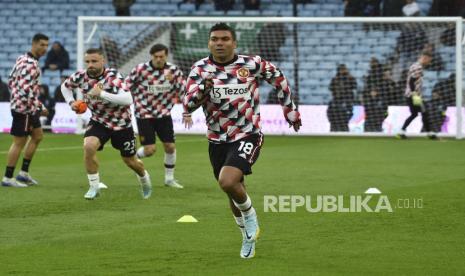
(19, 20)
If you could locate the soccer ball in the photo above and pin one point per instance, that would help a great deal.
(81, 106)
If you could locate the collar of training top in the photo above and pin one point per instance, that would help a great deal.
(210, 57)
(155, 68)
(31, 55)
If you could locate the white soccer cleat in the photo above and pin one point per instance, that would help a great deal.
(173, 183)
(102, 186)
(93, 192)
(10, 182)
(250, 236)
(26, 179)
(248, 249)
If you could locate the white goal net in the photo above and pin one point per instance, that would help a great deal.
(348, 75)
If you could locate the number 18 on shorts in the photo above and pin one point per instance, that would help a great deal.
(241, 154)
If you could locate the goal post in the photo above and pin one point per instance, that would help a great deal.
(376, 52)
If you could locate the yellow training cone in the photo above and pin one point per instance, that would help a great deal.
(187, 218)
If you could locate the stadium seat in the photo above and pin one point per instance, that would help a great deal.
(326, 65)
(286, 13)
(361, 49)
(307, 13)
(349, 41)
(342, 49)
(330, 41)
(270, 13)
(444, 74)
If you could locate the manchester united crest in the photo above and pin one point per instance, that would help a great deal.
(243, 72)
(169, 76)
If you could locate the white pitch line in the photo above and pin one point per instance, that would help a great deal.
(80, 147)
(50, 149)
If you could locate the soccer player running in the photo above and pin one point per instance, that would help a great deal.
(26, 110)
(109, 101)
(413, 94)
(154, 86)
(226, 86)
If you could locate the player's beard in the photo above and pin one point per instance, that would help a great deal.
(94, 72)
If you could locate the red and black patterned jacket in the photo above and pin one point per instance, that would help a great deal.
(111, 115)
(154, 90)
(232, 109)
(24, 85)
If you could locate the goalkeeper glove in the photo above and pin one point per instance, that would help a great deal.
(417, 100)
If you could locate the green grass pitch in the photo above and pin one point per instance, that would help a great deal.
(51, 230)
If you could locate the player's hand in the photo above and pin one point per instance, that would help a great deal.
(74, 106)
(296, 125)
(96, 90)
(187, 120)
(207, 85)
(44, 112)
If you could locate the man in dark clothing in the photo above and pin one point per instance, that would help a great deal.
(57, 58)
(390, 91)
(4, 92)
(251, 4)
(48, 102)
(354, 7)
(122, 7)
(342, 88)
(224, 5)
(447, 8)
(393, 8)
(375, 111)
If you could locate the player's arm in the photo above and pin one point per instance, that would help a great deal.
(67, 88)
(275, 77)
(415, 86)
(132, 80)
(180, 90)
(197, 90)
(32, 88)
(180, 84)
(415, 80)
(122, 97)
(118, 94)
(40, 106)
(27, 74)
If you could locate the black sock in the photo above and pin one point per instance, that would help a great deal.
(26, 163)
(9, 172)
